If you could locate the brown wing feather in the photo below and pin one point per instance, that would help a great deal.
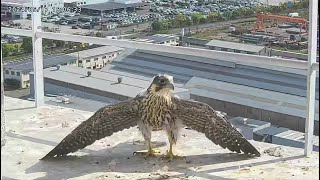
(103, 123)
(202, 118)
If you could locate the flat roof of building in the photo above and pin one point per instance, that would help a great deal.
(157, 38)
(183, 68)
(47, 62)
(110, 6)
(96, 51)
(104, 81)
(53, 60)
(234, 45)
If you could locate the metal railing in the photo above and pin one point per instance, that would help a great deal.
(308, 68)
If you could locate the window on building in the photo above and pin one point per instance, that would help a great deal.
(12, 72)
(80, 61)
(88, 60)
(64, 64)
(237, 51)
(224, 49)
(104, 57)
(88, 67)
(7, 72)
(95, 59)
(18, 73)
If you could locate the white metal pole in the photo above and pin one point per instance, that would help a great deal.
(3, 116)
(37, 55)
(312, 55)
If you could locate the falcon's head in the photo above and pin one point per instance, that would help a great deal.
(162, 83)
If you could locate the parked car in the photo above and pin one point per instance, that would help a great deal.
(74, 27)
(63, 22)
(72, 21)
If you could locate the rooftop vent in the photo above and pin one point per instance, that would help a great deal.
(89, 73)
(58, 66)
(119, 80)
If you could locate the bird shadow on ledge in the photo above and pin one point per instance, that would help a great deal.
(121, 159)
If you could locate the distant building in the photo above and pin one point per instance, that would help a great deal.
(109, 7)
(8, 13)
(236, 47)
(20, 70)
(90, 2)
(96, 58)
(161, 39)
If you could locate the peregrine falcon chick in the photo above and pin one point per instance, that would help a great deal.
(156, 109)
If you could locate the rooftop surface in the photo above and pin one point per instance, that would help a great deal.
(183, 68)
(157, 38)
(236, 46)
(96, 51)
(105, 81)
(34, 132)
(110, 6)
(53, 60)
(48, 61)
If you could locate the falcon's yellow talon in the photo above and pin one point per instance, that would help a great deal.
(170, 156)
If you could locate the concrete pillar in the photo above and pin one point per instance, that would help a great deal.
(3, 127)
(37, 56)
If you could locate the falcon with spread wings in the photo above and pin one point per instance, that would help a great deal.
(156, 109)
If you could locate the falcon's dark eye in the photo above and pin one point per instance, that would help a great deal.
(162, 81)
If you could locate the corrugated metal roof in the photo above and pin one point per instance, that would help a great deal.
(53, 60)
(235, 46)
(48, 61)
(183, 68)
(109, 6)
(96, 51)
(157, 38)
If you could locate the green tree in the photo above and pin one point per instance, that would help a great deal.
(195, 17)
(27, 44)
(156, 25)
(212, 17)
(7, 49)
(181, 20)
(59, 43)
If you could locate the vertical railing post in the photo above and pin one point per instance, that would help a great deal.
(37, 55)
(311, 83)
(3, 117)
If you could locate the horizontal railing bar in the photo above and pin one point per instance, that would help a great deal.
(18, 32)
(315, 67)
(220, 55)
(255, 60)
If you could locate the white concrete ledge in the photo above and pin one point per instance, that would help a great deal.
(34, 132)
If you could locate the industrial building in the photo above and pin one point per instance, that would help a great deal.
(236, 47)
(109, 7)
(8, 14)
(99, 85)
(20, 70)
(95, 59)
(276, 96)
(163, 39)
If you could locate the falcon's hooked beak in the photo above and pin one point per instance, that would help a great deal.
(162, 82)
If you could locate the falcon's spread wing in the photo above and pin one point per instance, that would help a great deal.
(202, 118)
(103, 123)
